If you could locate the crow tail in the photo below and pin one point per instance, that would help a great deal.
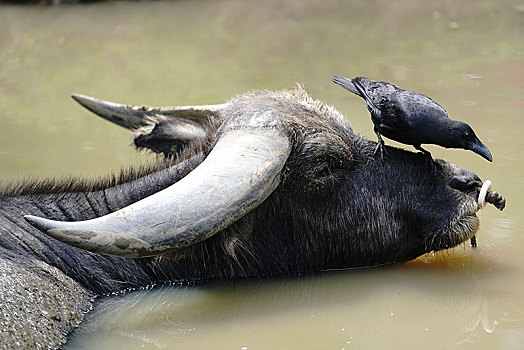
(347, 84)
(356, 87)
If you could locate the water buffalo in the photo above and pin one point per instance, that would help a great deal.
(270, 183)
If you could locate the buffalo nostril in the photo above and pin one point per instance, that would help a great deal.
(459, 183)
(465, 183)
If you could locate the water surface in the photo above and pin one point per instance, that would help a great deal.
(468, 56)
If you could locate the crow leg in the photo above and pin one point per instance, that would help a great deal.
(427, 153)
(380, 145)
(429, 158)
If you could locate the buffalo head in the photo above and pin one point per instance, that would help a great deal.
(284, 186)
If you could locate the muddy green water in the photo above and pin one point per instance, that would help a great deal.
(467, 55)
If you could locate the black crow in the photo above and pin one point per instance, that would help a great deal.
(411, 118)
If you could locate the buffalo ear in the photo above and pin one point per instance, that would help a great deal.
(164, 130)
(168, 135)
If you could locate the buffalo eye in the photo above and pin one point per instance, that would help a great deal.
(319, 163)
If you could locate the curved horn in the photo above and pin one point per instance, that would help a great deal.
(241, 171)
(134, 117)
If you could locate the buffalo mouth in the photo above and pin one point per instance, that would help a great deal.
(466, 223)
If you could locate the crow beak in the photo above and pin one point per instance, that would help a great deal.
(480, 149)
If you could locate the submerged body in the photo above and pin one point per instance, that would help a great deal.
(411, 118)
(312, 200)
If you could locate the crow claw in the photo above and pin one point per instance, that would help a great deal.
(380, 146)
(381, 149)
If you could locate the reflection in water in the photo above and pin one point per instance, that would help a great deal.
(366, 309)
(466, 55)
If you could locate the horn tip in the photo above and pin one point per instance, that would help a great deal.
(84, 100)
(38, 222)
